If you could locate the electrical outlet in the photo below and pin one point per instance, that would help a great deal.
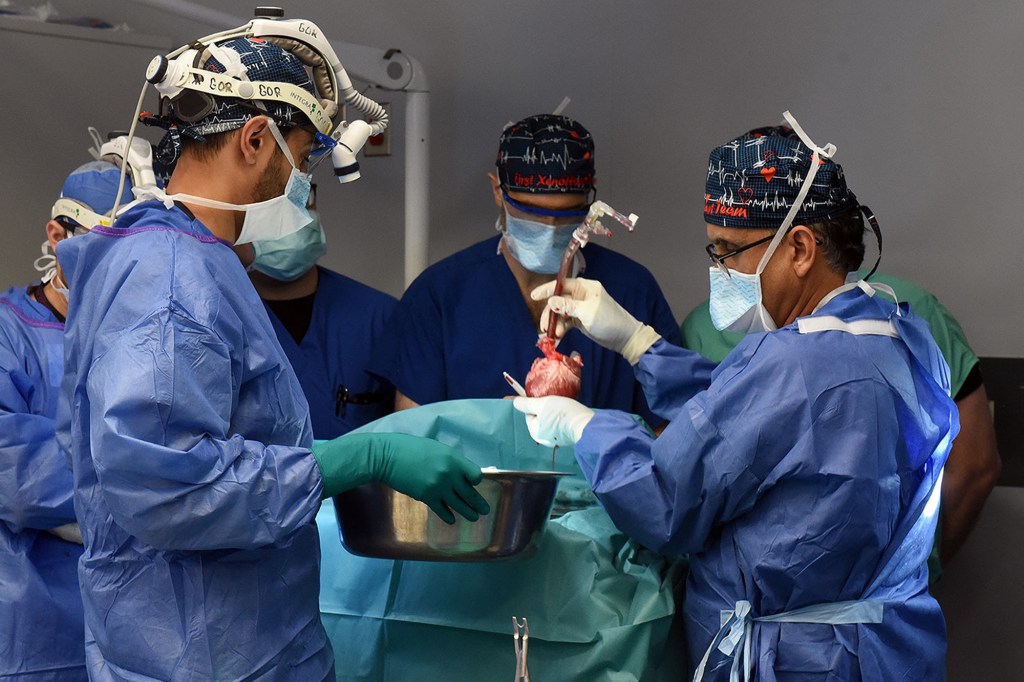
(380, 145)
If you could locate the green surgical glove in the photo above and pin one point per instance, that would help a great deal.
(424, 469)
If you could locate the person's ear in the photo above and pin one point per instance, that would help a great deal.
(496, 190)
(805, 249)
(55, 232)
(253, 139)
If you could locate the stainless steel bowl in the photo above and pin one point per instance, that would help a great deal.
(376, 521)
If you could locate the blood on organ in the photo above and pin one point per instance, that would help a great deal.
(555, 373)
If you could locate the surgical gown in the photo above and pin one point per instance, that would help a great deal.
(464, 321)
(699, 334)
(40, 607)
(194, 484)
(348, 321)
(807, 473)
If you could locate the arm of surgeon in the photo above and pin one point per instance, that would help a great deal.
(971, 472)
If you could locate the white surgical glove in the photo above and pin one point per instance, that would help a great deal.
(554, 420)
(584, 303)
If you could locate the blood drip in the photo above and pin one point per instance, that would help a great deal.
(554, 374)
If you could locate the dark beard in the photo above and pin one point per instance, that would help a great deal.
(270, 184)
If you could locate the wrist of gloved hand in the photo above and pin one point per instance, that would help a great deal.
(639, 342)
(554, 420)
(347, 462)
(424, 469)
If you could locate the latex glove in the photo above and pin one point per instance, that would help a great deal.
(585, 304)
(422, 468)
(554, 420)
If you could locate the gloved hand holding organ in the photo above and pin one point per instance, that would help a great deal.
(431, 472)
(555, 373)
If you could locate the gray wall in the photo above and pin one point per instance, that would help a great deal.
(923, 100)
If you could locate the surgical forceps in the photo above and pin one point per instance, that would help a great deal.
(521, 641)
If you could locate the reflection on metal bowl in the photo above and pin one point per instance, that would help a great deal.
(376, 521)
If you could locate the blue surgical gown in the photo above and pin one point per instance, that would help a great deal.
(804, 474)
(41, 635)
(189, 438)
(464, 321)
(348, 320)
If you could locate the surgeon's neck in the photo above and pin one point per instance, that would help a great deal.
(819, 284)
(204, 179)
(528, 281)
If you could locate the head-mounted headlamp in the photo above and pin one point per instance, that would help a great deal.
(182, 70)
(78, 214)
(138, 155)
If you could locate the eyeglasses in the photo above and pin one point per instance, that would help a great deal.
(719, 259)
(70, 227)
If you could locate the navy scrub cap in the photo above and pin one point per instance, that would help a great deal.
(753, 181)
(546, 154)
(263, 61)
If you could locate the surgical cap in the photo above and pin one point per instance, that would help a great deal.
(95, 185)
(546, 154)
(753, 181)
(263, 61)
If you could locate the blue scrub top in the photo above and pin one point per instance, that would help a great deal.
(348, 320)
(464, 321)
(189, 437)
(41, 630)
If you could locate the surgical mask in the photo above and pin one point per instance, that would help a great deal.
(736, 303)
(47, 264)
(264, 220)
(538, 247)
(288, 258)
(61, 288)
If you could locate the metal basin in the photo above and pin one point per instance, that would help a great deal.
(376, 521)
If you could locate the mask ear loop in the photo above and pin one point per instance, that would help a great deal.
(869, 216)
(276, 132)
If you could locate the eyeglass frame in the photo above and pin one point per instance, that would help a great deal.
(718, 260)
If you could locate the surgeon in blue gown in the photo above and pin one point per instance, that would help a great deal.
(804, 478)
(328, 325)
(41, 636)
(196, 476)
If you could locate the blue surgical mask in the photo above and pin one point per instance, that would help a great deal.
(538, 247)
(288, 258)
(735, 302)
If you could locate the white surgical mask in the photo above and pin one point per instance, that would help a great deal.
(537, 246)
(736, 298)
(264, 220)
